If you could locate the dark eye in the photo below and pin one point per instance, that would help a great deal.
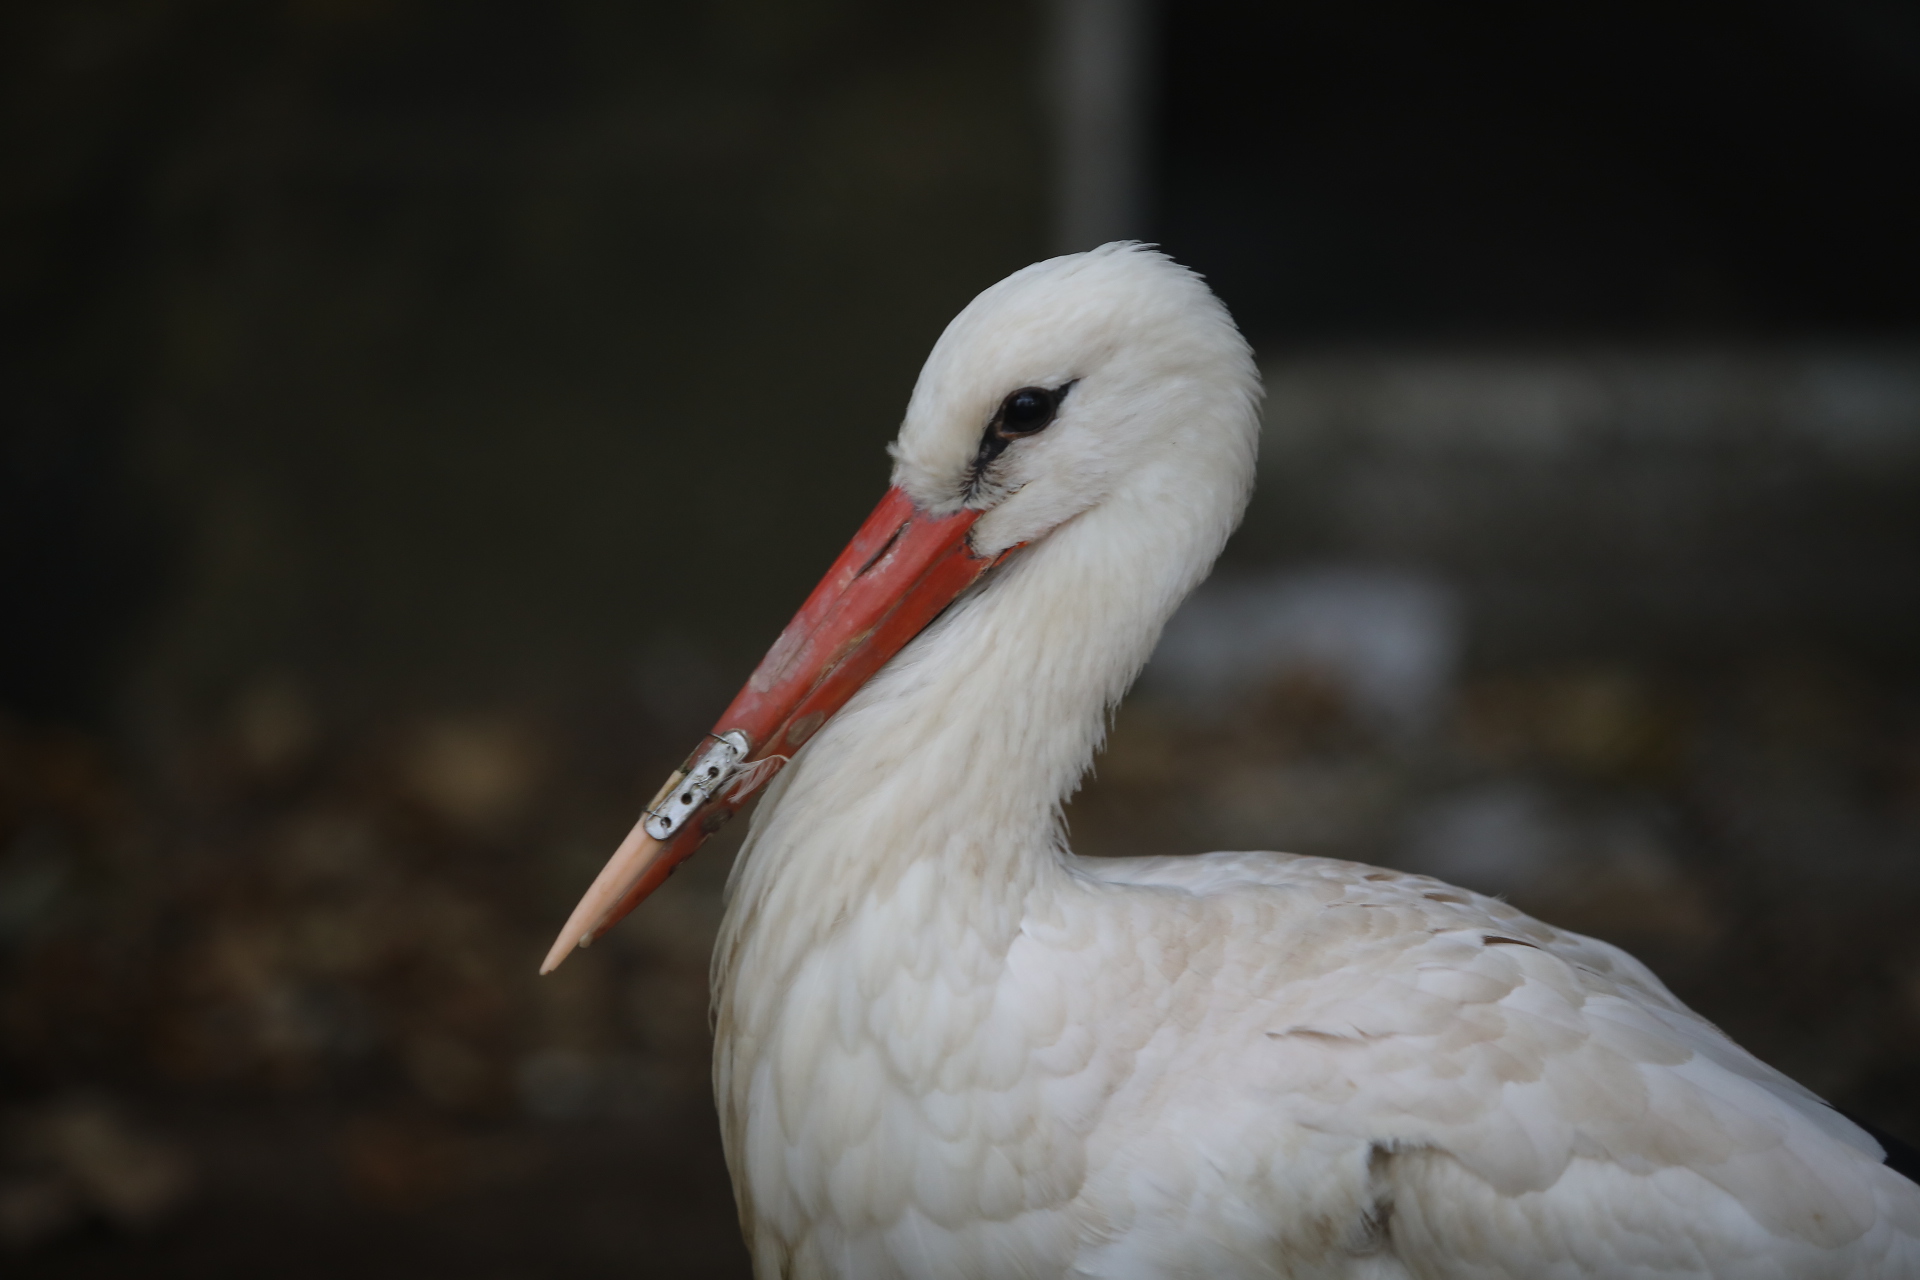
(1027, 410)
(1024, 413)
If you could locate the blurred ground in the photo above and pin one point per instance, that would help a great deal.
(280, 1015)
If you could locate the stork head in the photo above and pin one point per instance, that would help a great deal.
(1054, 389)
(1069, 378)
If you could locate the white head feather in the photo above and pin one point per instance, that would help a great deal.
(1158, 374)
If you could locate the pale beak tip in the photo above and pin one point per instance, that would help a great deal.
(556, 954)
(591, 917)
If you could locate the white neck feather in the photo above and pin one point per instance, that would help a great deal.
(872, 948)
(933, 798)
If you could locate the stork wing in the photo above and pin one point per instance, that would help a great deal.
(1535, 1102)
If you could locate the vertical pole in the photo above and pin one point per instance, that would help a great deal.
(1101, 85)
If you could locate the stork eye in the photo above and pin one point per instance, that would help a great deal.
(1025, 412)
(1028, 410)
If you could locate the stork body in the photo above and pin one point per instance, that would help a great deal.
(948, 1048)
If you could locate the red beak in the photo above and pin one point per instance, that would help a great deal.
(901, 569)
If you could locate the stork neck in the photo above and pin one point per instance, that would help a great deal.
(950, 767)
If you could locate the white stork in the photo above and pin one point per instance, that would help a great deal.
(948, 1048)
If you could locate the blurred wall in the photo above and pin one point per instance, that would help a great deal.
(1382, 170)
(454, 351)
(1671, 503)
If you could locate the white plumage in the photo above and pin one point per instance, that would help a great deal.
(947, 1048)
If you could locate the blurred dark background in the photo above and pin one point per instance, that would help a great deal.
(415, 418)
